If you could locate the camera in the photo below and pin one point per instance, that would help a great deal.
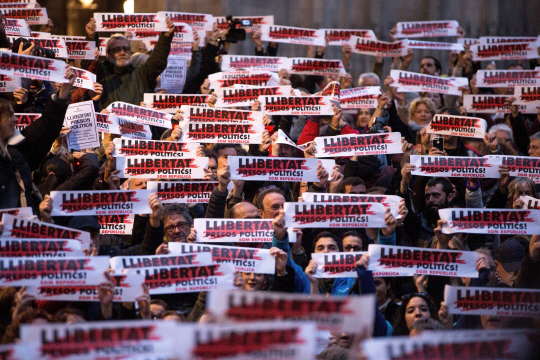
(39, 51)
(236, 31)
(378, 125)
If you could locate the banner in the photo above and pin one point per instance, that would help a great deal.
(199, 115)
(19, 227)
(34, 67)
(84, 50)
(292, 35)
(350, 314)
(16, 27)
(173, 78)
(182, 192)
(265, 63)
(340, 37)
(171, 103)
(154, 149)
(23, 120)
(81, 119)
(521, 166)
(36, 16)
(407, 81)
(49, 248)
(296, 105)
(252, 77)
(493, 301)
(161, 168)
(26, 212)
(530, 202)
(222, 132)
(453, 166)
(38, 34)
(337, 215)
(336, 264)
(15, 351)
(107, 123)
(119, 22)
(141, 115)
(485, 104)
(9, 84)
(378, 48)
(490, 221)
(464, 126)
(390, 260)
(360, 97)
(58, 46)
(527, 95)
(506, 51)
(358, 145)
(174, 279)
(101, 202)
(417, 44)
(116, 224)
(468, 41)
(315, 67)
(120, 263)
(507, 78)
(414, 29)
(257, 21)
(505, 39)
(234, 97)
(391, 201)
(46, 271)
(273, 168)
(198, 22)
(85, 79)
(133, 130)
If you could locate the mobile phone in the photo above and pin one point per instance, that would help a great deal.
(438, 143)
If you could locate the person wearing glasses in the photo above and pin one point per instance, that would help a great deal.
(177, 223)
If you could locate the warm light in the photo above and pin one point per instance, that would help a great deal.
(86, 3)
(129, 6)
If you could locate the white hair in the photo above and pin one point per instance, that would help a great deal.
(535, 136)
(369, 75)
(502, 127)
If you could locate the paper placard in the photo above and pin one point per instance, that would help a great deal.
(292, 35)
(116, 224)
(358, 145)
(273, 168)
(296, 105)
(332, 90)
(464, 126)
(101, 202)
(57, 45)
(183, 34)
(505, 39)
(468, 41)
(198, 22)
(265, 63)
(103, 46)
(521, 166)
(173, 78)
(340, 37)
(234, 97)
(40, 35)
(321, 67)
(36, 16)
(23, 120)
(20, 212)
(490, 221)
(198, 114)
(417, 44)
(485, 104)
(336, 264)
(53, 271)
(334, 215)
(133, 130)
(414, 29)
(222, 132)
(527, 95)
(118, 22)
(34, 67)
(507, 51)
(284, 139)
(68, 38)
(50, 248)
(378, 48)
(107, 123)
(360, 97)
(492, 301)
(408, 261)
(16, 27)
(161, 168)
(81, 119)
(120, 263)
(530, 202)
(85, 79)
(507, 78)
(140, 115)
(16, 351)
(257, 21)
(85, 50)
(407, 81)
(182, 192)
(230, 78)
(9, 83)
(155, 149)
(486, 167)
(170, 103)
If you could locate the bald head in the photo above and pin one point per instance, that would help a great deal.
(245, 210)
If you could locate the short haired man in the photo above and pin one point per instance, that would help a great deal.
(177, 223)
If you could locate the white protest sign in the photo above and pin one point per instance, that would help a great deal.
(284, 139)
(9, 83)
(39, 34)
(250, 77)
(360, 97)
(16, 27)
(68, 38)
(101, 202)
(183, 34)
(273, 168)
(198, 22)
(506, 51)
(530, 202)
(454, 166)
(513, 302)
(378, 48)
(468, 41)
(161, 168)
(34, 67)
(170, 103)
(296, 105)
(486, 104)
(120, 263)
(20, 212)
(292, 35)
(183, 192)
(49, 248)
(407, 261)
(234, 97)
(490, 221)
(81, 119)
(266, 63)
(222, 132)
(414, 29)
(25, 119)
(507, 78)
(358, 145)
(107, 123)
(85, 79)
(17, 351)
(464, 126)
(85, 50)
(340, 37)
(505, 39)
(407, 81)
(58, 46)
(173, 78)
(141, 115)
(116, 224)
(334, 215)
(527, 94)
(154, 148)
(256, 21)
(199, 115)
(417, 44)
(521, 166)
(336, 264)
(103, 46)
(133, 130)
(118, 22)
(36, 16)
(321, 67)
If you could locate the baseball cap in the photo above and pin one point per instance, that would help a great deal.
(81, 222)
(510, 254)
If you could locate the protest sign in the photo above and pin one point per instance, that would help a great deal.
(256, 22)
(321, 67)
(358, 145)
(284, 139)
(85, 79)
(20, 212)
(296, 105)
(85, 50)
(486, 167)
(360, 97)
(118, 22)
(234, 97)
(340, 37)
(487, 104)
(527, 94)
(23, 120)
(176, 50)
(49, 248)
(336, 265)
(120, 263)
(170, 103)
(468, 41)
(265, 63)
(378, 48)
(133, 130)
(332, 90)
(183, 34)
(16, 351)
(222, 132)
(21, 4)
(407, 81)
(103, 46)
(20, 227)
(9, 83)
(68, 38)
(507, 78)
(521, 166)
(16, 27)
(182, 192)
(407, 261)
(350, 314)
(161, 168)
(40, 35)
(116, 224)
(464, 126)
(173, 78)
(530, 202)
(35, 16)
(292, 35)
(340, 215)
(107, 123)
(414, 29)
(101, 202)
(58, 46)
(417, 44)
(81, 119)
(151, 148)
(273, 168)
(490, 221)
(505, 39)
(53, 271)
(141, 115)
(506, 51)
(246, 77)
(199, 115)
(34, 67)
(198, 22)
(468, 300)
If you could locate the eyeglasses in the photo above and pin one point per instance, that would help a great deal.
(181, 226)
(348, 248)
(156, 316)
(117, 49)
